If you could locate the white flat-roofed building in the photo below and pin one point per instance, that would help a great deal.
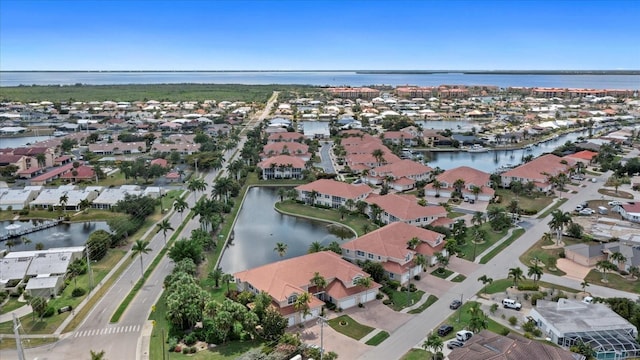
(13, 269)
(110, 197)
(51, 197)
(17, 199)
(46, 286)
(49, 264)
(153, 192)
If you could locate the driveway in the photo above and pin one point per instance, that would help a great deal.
(572, 270)
(325, 158)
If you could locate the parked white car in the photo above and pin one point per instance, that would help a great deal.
(586, 211)
(615, 203)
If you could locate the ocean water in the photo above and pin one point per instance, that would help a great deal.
(9, 78)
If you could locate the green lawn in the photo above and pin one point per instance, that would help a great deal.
(356, 222)
(349, 327)
(442, 273)
(378, 338)
(531, 203)
(501, 285)
(492, 237)
(430, 300)
(11, 305)
(548, 257)
(614, 281)
(9, 343)
(459, 278)
(491, 254)
(463, 314)
(400, 299)
(553, 208)
(417, 354)
(454, 214)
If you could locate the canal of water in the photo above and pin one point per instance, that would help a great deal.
(62, 235)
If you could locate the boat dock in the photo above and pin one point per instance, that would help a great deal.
(11, 234)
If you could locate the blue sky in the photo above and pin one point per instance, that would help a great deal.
(331, 35)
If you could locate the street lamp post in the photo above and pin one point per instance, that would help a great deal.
(321, 320)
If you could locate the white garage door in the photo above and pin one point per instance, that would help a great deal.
(348, 303)
(371, 295)
(291, 320)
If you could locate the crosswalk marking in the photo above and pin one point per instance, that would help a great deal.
(107, 331)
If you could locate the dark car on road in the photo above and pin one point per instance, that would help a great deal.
(454, 344)
(444, 330)
(455, 304)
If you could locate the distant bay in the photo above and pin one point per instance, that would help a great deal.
(321, 78)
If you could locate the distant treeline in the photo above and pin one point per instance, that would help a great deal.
(505, 72)
(138, 92)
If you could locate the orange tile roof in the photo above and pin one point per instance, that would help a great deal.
(406, 207)
(391, 240)
(584, 155)
(293, 148)
(534, 169)
(295, 162)
(470, 176)
(336, 188)
(285, 136)
(83, 172)
(402, 168)
(292, 276)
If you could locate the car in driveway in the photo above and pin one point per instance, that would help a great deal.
(454, 344)
(586, 211)
(615, 203)
(445, 329)
(455, 304)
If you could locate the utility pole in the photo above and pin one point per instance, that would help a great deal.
(322, 320)
(16, 332)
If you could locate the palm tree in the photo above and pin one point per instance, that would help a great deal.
(516, 274)
(282, 192)
(319, 281)
(140, 247)
(422, 261)
(302, 304)
(25, 240)
(10, 244)
(314, 247)
(478, 218)
(437, 185)
(458, 185)
(216, 275)
(584, 285)
(63, 201)
(39, 246)
(281, 249)
(196, 185)
(535, 271)
(485, 280)
(164, 226)
(227, 278)
(413, 242)
(180, 205)
(343, 211)
(478, 319)
(558, 221)
(434, 344)
(546, 237)
(350, 203)
(312, 196)
(443, 261)
(476, 190)
(618, 258)
(378, 154)
(604, 266)
(97, 355)
(365, 282)
(42, 159)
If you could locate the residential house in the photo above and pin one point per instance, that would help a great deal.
(182, 148)
(538, 171)
(50, 198)
(18, 199)
(404, 208)
(332, 193)
(286, 148)
(286, 137)
(81, 173)
(49, 176)
(282, 167)
(118, 148)
(568, 322)
(389, 245)
(160, 162)
(630, 212)
(487, 345)
(400, 176)
(286, 280)
(400, 138)
(585, 254)
(585, 157)
(110, 197)
(473, 184)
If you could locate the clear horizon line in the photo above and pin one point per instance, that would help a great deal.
(327, 70)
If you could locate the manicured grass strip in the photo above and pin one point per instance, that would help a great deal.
(459, 278)
(400, 299)
(501, 285)
(442, 273)
(516, 234)
(11, 305)
(417, 354)
(454, 214)
(125, 303)
(463, 314)
(614, 281)
(349, 327)
(378, 338)
(10, 343)
(430, 300)
(551, 209)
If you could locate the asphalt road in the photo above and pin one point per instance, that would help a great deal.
(416, 330)
(325, 158)
(120, 340)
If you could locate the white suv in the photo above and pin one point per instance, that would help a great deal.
(615, 203)
(511, 304)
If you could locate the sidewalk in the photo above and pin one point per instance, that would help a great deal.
(20, 312)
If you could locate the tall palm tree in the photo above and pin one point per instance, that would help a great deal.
(164, 226)
(476, 190)
(282, 192)
(350, 203)
(312, 196)
(319, 281)
(618, 258)
(437, 185)
(216, 275)
(443, 261)
(281, 249)
(196, 185)
(180, 205)
(584, 285)
(485, 280)
(365, 282)
(140, 247)
(559, 220)
(535, 272)
(315, 247)
(25, 240)
(413, 243)
(604, 266)
(458, 185)
(63, 201)
(517, 274)
(378, 154)
(434, 344)
(227, 278)
(478, 218)
(97, 355)
(302, 304)
(422, 261)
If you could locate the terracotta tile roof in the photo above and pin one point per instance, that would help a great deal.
(285, 136)
(286, 277)
(84, 172)
(391, 240)
(55, 172)
(548, 163)
(295, 162)
(397, 135)
(172, 176)
(631, 208)
(278, 148)
(30, 151)
(336, 188)
(367, 158)
(29, 170)
(584, 155)
(406, 207)
(160, 161)
(470, 176)
(9, 159)
(402, 168)
(442, 221)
